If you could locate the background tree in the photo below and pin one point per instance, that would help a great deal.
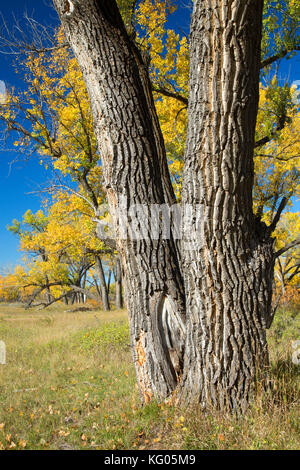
(53, 117)
(61, 249)
(287, 268)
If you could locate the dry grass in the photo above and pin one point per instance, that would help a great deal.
(69, 383)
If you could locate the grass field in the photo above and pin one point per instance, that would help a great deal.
(69, 383)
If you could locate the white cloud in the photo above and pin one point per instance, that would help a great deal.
(2, 92)
(296, 86)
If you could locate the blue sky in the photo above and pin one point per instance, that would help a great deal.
(21, 178)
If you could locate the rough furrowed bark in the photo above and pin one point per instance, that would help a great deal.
(131, 158)
(229, 268)
(228, 265)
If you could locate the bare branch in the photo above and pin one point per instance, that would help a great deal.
(275, 221)
(27, 38)
(58, 187)
(268, 138)
(171, 94)
(287, 247)
(72, 287)
(280, 55)
(175, 121)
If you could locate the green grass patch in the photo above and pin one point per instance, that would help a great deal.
(69, 383)
(110, 335)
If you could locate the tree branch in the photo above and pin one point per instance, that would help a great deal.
(280, 55)
(268, 138)
(287, 247)
(297, 269)
(170, 94)
(275, 221)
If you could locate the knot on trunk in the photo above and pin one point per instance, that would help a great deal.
(68, 7)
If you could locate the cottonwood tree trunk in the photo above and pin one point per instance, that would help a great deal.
(132, 155)
(229, 270)
(217, 316)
